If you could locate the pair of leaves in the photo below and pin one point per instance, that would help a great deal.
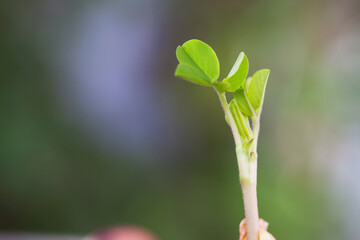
(251, 97)
(199, 64)
(249, 92)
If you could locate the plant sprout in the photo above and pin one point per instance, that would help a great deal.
(199, 64)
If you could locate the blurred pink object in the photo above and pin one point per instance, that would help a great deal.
(263, 234)
(122, 233)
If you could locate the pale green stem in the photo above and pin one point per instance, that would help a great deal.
(247, 171)
(251, 210)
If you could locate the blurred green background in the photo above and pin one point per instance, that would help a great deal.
(96, 131)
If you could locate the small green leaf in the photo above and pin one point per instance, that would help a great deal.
(243, 103)
(238, 73)
(192, 74)
(241, 121)
(256, 89)
(247, 83)
(198, 63)
(235, 112)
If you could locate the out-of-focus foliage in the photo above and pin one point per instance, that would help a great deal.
(96, 131)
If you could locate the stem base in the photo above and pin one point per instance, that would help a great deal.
(251, 209)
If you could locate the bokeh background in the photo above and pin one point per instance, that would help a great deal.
(96, 131)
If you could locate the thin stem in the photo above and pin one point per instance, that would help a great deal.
(230, 118)
(247, 171)
(256, 130)
(253, 150)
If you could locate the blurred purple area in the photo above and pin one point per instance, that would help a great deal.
(109, 82)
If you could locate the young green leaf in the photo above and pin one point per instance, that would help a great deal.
(256, 89)
(192, 74)
(241, 121)
(235, 112)
(247, 83)
(243, 103)
(198, 63)
(238, 73)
